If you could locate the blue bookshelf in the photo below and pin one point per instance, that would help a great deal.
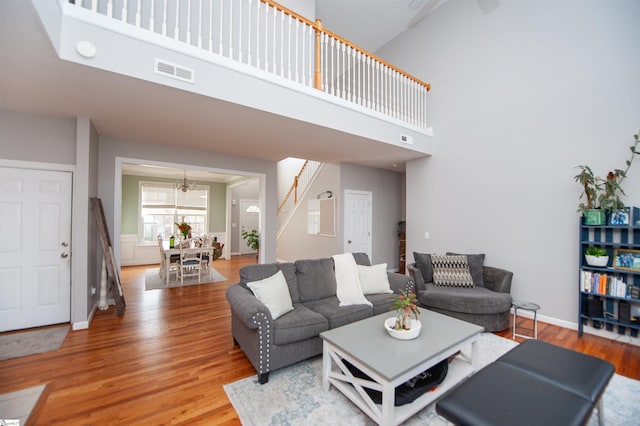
(609, 296)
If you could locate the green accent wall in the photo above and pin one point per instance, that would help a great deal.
(130, 197)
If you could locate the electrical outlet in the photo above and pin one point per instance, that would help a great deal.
(93, 291)
(426, 235)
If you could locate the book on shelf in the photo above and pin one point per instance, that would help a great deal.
(607, 285)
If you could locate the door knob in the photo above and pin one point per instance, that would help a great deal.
(64, 255)
(64, 244)
(349, 241)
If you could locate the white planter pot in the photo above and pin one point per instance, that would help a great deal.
(600, 261)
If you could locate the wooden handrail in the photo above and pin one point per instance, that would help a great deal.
(317, 26)
(294, 187)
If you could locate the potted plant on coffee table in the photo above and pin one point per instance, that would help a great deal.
(596, 256)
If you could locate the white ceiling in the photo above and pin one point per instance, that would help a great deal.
(35, 81)
(370, 24)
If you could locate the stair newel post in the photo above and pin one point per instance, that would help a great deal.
(317, 83)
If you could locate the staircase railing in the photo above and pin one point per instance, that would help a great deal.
(298, 188)
(265, 35)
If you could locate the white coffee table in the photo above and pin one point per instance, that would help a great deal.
(391, 362)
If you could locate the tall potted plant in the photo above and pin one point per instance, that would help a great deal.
(253, 240)
(602, 195)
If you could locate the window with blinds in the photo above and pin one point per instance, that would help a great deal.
(162, 205)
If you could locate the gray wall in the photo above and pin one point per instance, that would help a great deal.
(388, 198)
(34, 138)
(521, 96)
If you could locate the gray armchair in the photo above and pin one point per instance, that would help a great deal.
(488, 305)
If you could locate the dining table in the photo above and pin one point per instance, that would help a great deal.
(167, 252)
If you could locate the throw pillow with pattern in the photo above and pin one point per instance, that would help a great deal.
(451, 271)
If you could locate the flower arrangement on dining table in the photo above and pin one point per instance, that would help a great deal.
(405, 306)
(184, 228)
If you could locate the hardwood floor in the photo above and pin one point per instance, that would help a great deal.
(166, 359)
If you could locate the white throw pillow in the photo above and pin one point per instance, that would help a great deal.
(274, 293)
(374, 279)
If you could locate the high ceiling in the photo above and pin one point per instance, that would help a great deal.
(35, 81)
(370, 24)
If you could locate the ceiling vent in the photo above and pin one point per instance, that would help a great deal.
(173, 71)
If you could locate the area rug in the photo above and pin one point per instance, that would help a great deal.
(152, 279)
(17, 344)
(17, 406)
(294, 396)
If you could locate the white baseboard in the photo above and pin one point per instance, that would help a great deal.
(611, 335)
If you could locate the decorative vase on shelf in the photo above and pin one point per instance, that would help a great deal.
(599, 261)
(595, 217)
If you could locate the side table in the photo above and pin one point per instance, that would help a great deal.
(527, 306)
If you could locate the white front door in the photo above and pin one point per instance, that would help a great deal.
(249, 219)
(35, 254)
(357, 221)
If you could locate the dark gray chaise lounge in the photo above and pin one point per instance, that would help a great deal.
(293, 337)
(534, 384)
(487, 303)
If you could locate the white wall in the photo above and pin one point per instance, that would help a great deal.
(520, 96)
(287, 170)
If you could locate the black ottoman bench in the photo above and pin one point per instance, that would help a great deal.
(536, 383)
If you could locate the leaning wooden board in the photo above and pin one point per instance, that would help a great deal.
(112, 269)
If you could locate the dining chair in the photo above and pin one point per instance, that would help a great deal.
(190, 263)
(173, 261)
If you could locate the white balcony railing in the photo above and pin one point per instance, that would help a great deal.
(272, 38)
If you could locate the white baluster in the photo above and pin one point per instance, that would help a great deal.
(273, 42)
(281, 43)
(267, 9)
(240, 53)
(165, 17)
(189, 29)
(332, 45)
(138, 13)
(231, 29)
(210, 35)
(369, 81)
(258, 3)
(297, 55)
(200, 23)
(289, 56)
(304, 53)
(152, 15)
(109, 8)
(311, 39)
(249, 61)
(176, 28)
(94, 6)
(221, 46)
(343, 71)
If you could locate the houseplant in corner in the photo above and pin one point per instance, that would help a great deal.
(596, 256)
(253, 240)
(602, 195)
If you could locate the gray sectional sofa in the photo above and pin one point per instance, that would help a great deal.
(271, 344)
(487, 303)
